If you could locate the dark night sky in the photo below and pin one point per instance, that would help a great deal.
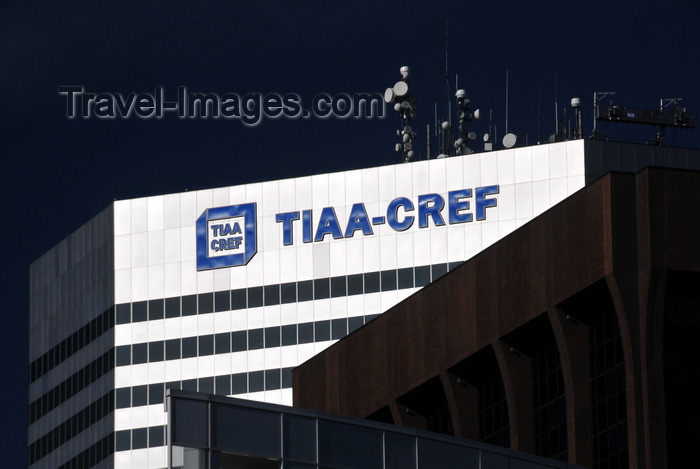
(56, 173)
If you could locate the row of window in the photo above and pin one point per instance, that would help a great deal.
(71, 345)
(139, 438)
(93, 455)
(238, 341)
(224, 385)
(71, 386)
(71, 427)
(239, 383)
(293, 292)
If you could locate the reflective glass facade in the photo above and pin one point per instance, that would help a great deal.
(211, 432)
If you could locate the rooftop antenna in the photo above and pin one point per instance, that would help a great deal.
(556, 106)
(506, 101)
(464, 114)
(509, 140)
(539, 112)
(404, 105)
(445, 128)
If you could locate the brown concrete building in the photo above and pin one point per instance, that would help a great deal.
(572, 338)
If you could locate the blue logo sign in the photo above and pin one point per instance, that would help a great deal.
(226, 236)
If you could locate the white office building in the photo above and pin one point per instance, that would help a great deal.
(226, 290)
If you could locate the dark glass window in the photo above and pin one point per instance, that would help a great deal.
(299, 438)
(139, 311)
(156, 309)
(139, 353)
(306, 333)
(155, 351)
(156, 437)
(123, 398)
(289, 334)
(189, 305)
(272, 379)
(222, 300)
(206, 345)
(422, 275)
(339, 328)
(238, 299)
(494, 426)
(439, 270)
(343, 445)
(124, 313)
(173, 385)
(124, 355)
(355, 284)
(608, 397)
(549, 404)
(255, 339)
(322, 330)
(139, 438)
(239, 341)
(400, 451)
(223, 342)
(287, 377)
(172, 349)
(172, 307)
(272, 337)
(248, 431)
(355, 323)
(321, 288)
(223, 385)
(289, 293)
(156, 393)
(306, 290)
(189, 419)
(256, 381)
(371, 282)
(205, 303)
(240, 383)
(406, 278)
(123, 440)
(454, 265)
(255, 297)
(189, 385)
(206, 385)
(139, 396)
(272, 294)
(388, 280)
(189, 347)
(338, 287)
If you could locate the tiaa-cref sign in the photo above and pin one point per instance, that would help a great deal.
(227, 236)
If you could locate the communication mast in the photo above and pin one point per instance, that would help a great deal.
(404, 105)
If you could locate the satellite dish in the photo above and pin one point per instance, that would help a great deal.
(397, 147)
(486, 137)
(401, 88)
(397, 107)
(477, 114)
(442, 155)
(509, 140)
(389, 95)
(471, 135)
(461, 94)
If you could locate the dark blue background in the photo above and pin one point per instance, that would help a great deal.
(57, 173)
